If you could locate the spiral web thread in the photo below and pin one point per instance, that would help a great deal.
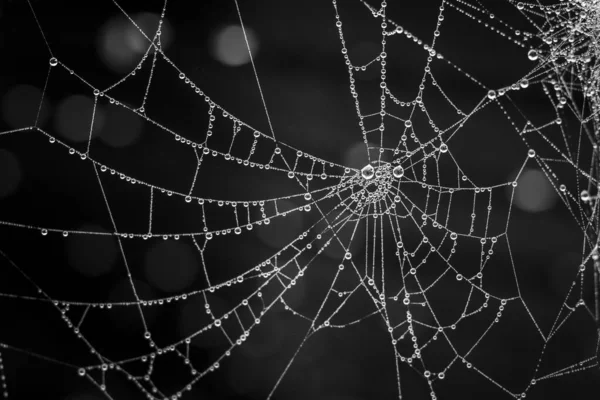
(413, 181)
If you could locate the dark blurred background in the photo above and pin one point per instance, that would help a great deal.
(305, 82)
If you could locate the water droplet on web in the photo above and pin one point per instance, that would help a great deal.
(453, 235)
(491, 94)
(444, 148)
(367, 172)
(524, 83)
(307, 196)
(398, 172)
(53, 62)
(533, 55)
(531, 153)
(408, 123)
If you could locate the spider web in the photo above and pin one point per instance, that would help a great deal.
(414, 243)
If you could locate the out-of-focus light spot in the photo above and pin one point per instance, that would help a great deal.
(91, 255)
(10, 173)
(356, 156)
(20, 106)
(73, 118)
(171, 266)
(283, 229)
(230, 48)
(534, 193)
(121, 45)
(121, 127)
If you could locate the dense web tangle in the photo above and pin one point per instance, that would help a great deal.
(410, 247)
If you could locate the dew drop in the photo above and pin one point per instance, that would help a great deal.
(367, 172)
(398, 172)
(533, 55)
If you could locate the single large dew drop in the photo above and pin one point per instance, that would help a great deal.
(398, 172)
(533, 55)
(367, 172)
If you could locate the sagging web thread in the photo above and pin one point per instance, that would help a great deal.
(381, 199)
